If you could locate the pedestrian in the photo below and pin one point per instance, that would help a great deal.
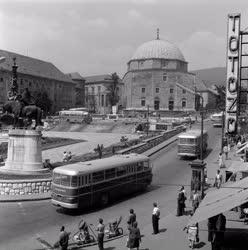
(221, 162)
(225, 150)
(220, 230)
(239, 144)
(100, 233)
(181, 202)
(65, 156)
(63, 239)
(131, 218)
(134, 238)
(211, 231)
(195, 200)
(155, 218)
(69, 156)
(218, 179)
(193, 233)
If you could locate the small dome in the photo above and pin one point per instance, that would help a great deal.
(158, 49)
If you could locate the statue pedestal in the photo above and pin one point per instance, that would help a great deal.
(24, 152)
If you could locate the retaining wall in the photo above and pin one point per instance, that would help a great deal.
(25, 187)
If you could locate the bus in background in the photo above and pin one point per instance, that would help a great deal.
(75, 116)
(189, 143)
(217, 119)
(98, 182)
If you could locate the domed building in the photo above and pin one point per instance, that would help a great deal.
(157, 76)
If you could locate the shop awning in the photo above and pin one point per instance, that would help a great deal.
(221, 200)
(238, 166)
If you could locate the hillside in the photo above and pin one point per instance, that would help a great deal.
(212, 76)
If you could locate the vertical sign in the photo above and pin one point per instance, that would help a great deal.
(232, 83)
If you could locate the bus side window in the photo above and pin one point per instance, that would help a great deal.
(139, 166)
(146, 165)
(121, 170)
(74, 181)
(109, 173)
(98, 176)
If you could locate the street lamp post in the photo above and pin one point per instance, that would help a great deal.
(202, 100)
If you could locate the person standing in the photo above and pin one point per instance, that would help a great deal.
(132, 217)
(134, 237)
(220, 230)
(100, 234)
(63, 239)
(220, 160)
(181, 202)
(225, 150)
(155, 218)
(218, 179)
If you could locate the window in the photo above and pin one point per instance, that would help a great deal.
(65, 180)
(74, 181)
(171, 104)
(98, 176)
(1, 79)
(102, 100)
(164, 77)
(164, 63)
(140, 166)
(184, 103)
(157, 90)
(156, 104)
(171, 90)
(184, 91)
(99, 89)
(86, 90)
(30, 84)
(143, 102)
(143, 90)
(92, 89)
(110, 173)
(146, 165)
(121, 170)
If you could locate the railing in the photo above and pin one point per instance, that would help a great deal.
(151, 142)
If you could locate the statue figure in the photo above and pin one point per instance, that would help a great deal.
(20, 110)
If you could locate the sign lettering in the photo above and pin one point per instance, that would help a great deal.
(232, 83)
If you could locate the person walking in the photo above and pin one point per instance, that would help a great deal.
(155, 218)
(195, 200)
(218, 179)
(63, 239)
(131, 218)
(181, 202)
(100, 234)
(134, 237)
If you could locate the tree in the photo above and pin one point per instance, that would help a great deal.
(113, 90)
(42, 100)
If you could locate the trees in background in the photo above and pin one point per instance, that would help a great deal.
(42, 100)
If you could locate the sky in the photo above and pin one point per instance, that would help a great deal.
(100, 36)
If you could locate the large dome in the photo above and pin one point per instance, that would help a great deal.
(158, 49)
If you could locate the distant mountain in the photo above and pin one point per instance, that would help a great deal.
(216, 76)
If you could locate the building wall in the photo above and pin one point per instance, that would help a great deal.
(158, 85)
(62, 94)
(97, 97)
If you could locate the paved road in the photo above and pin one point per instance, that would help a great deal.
(22, 222)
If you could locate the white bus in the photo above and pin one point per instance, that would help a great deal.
(75, 116)
(98, 182)
(189, 143)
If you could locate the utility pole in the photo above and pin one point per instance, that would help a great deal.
(147, 120)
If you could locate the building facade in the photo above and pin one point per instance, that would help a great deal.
(157, 76)
(37, 75)
(97, 93)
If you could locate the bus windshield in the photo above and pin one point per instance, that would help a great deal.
(187, 140)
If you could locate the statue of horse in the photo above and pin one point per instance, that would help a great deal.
(27, 113)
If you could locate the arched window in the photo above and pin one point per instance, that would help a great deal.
(184, 103)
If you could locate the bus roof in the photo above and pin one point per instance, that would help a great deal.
(192, 134)
(99, 164)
